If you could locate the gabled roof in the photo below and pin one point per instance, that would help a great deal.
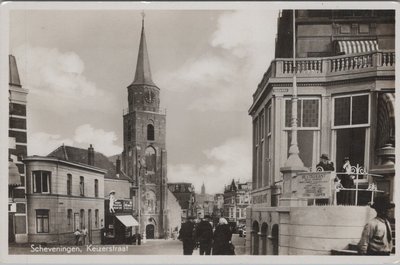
(143, 73)
(80, 156)
(13, 71)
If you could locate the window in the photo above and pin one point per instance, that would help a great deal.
(41, 181)
(69, 216)
(307, 113)
(150, 132)
(96, 218)
(350, 124)
(82, 219)
(69, 184)
(238, 213)
(351, 110)
(42, 221)
(82, 185)
(150, 158)
(96, 188)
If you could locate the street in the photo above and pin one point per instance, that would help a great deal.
(151, 247)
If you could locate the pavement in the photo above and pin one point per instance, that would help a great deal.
(151, 247)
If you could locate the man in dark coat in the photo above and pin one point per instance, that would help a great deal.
(222, 239)
(325, 164)
(204, 235)
(186, 235)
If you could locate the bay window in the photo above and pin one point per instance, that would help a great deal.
(41, 181)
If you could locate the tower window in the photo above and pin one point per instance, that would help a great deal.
(150, 132)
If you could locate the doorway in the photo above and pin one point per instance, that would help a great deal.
(90, 226)
(150, 231)
(275, 239)
(11, 232)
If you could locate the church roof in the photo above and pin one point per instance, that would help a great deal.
(80, 156)
(143, 72)
(13, 71)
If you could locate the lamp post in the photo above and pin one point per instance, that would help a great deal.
(137, 175)
(294, 159)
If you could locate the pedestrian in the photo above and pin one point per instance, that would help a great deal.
(325, 164)
(346, 179)
(84, 236)
(186, 235)
(222, 239)
(204, 235)
(77, 235)
(376, 238)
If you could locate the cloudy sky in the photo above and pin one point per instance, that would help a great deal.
(77, 65)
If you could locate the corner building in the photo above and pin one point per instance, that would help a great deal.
(345, 68)
(144, 156)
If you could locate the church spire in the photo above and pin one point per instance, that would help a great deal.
(143, 73)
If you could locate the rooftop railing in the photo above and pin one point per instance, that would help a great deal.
(328, 66)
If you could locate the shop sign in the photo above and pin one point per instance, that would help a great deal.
(314, 185)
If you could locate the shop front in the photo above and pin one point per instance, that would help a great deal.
(119, 222)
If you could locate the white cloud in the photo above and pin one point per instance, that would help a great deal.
(57, 78)
(101, 140)
(224, 79)
(41, 143)
(230, 160)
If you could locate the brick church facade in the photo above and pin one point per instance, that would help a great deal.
(144, 156)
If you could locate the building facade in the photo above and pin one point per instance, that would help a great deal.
(345, 71)
(17, 151)
(236, 200)
(184, 193)
(62, 197)
(204, 203)
(144, 156)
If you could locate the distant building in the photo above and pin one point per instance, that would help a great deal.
(63, 196)
(17, 150)
(236, 200)
(345, 72)
(184, 193)
(204, 203)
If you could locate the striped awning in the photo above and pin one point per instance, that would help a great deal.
(14, 178)
(356, 46)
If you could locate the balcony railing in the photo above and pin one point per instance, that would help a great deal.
(160, 111)
(363, 182)
(326, 67)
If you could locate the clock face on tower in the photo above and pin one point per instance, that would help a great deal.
(149, 96)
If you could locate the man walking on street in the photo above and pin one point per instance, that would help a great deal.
(204, 235)
(186, 235)
(376, 238)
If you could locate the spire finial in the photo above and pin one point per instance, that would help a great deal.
(143, 15)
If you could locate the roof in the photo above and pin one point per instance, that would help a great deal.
(80, 156)
(183, 199)
(67, 162)
(13, 71)
(143, 73)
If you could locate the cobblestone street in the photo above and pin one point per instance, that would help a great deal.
(151, 247)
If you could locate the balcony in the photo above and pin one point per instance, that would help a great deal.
(160, 111)
(329, 69)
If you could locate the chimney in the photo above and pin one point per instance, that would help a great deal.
(118, 165)
(90, 156)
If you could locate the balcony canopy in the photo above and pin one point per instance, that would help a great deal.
(356, 46)
(14, 178)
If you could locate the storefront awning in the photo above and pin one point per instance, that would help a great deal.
(127, 220)
(356, 46)
(14, 178)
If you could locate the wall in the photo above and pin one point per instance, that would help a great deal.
(174, 212)
(58, 202)
(312, 230)
(121, 188)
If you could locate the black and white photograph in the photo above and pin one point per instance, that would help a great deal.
(250, 129)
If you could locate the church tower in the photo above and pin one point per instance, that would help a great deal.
(144, 155)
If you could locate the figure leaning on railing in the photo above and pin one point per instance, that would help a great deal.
(325, 164)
